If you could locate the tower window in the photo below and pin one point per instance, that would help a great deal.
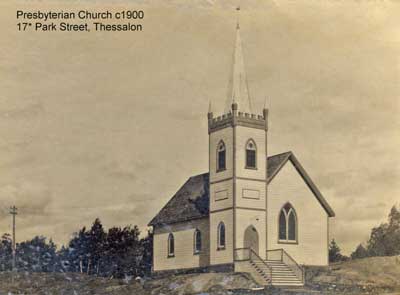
(221, 156)
(221, 236)
(287, 224)
(171, 245)
(251, 155)
(197, 241)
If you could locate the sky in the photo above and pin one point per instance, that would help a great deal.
(110, 125)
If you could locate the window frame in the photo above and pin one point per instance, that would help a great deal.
(219, 245)
(218, 168)
(250, 140)
(290, 211)
(195, 242)
(171, 238)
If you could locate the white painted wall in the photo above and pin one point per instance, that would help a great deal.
(226, 255)
(312, 247)
(246, 218)
(227, 136)
(244, 200)
(184, 245)
(217, 190)
(243, 134)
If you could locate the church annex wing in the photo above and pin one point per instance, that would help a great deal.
(192, 200)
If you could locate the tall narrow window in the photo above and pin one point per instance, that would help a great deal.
(197, 241)
(221, 236)
(171, 245)
(251, 155)
(221, 156)
(282, 226)
(288, 224)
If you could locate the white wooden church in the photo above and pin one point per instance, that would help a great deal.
(251, 212)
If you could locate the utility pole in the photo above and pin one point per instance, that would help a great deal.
(13, 212)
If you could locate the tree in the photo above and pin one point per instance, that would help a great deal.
(77, 251)
(36, 255)
(335, 254)
(119, 252)
(123, 252)
(95, 246)
(393, 232)
(6, 252)
(147, 249)
(360, 252)
(385, 239)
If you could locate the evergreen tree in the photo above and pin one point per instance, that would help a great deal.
(96, 239)
(36, 255)
(147, 249)
(360, 252)
(335, 254)
(385, 239)
(5, 252)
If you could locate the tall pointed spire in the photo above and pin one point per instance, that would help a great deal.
(239, 92)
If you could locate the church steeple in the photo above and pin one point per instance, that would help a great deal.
(239, 92)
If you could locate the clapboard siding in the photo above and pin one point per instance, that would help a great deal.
(243, 134)
(256, 219)
(312, 247)
(215, 138)
(226, 255)
(217, 188)
(184, 245)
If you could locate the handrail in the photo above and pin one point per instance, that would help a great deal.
(252, 255)
(275, 250)
(244, 257)
(290, 262)
(269, 269)
(299, 271)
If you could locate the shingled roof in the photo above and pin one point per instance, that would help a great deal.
(192, 200)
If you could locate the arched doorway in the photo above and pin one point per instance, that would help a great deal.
(251, 238)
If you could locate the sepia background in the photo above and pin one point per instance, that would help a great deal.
(110, 125)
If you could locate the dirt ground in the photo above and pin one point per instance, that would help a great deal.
(378, 275)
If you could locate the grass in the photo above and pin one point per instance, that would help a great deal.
(375, 275)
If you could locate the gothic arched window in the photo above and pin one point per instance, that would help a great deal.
(221, 235)
(197, 241)
(288, 224)
(221, 156)
(251, 154)
(171, 245)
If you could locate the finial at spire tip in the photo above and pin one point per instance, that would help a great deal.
(237, 22)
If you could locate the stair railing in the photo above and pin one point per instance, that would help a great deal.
(255, 257)
(248, 254)
(283, 256)
(242, 254)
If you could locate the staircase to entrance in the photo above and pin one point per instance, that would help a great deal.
(280, 269)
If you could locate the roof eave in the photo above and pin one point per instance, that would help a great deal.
(312, 186)
(154, 224)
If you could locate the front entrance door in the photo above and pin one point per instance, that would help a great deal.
(251, 238)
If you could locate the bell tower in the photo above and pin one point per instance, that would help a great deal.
(238, 172)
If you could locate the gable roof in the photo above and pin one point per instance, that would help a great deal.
(307, 179)
(191, 201)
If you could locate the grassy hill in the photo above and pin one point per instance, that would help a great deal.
(368, 274)
(377, 275)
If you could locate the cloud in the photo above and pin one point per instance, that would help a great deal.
(30, 198)
(29, 110)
